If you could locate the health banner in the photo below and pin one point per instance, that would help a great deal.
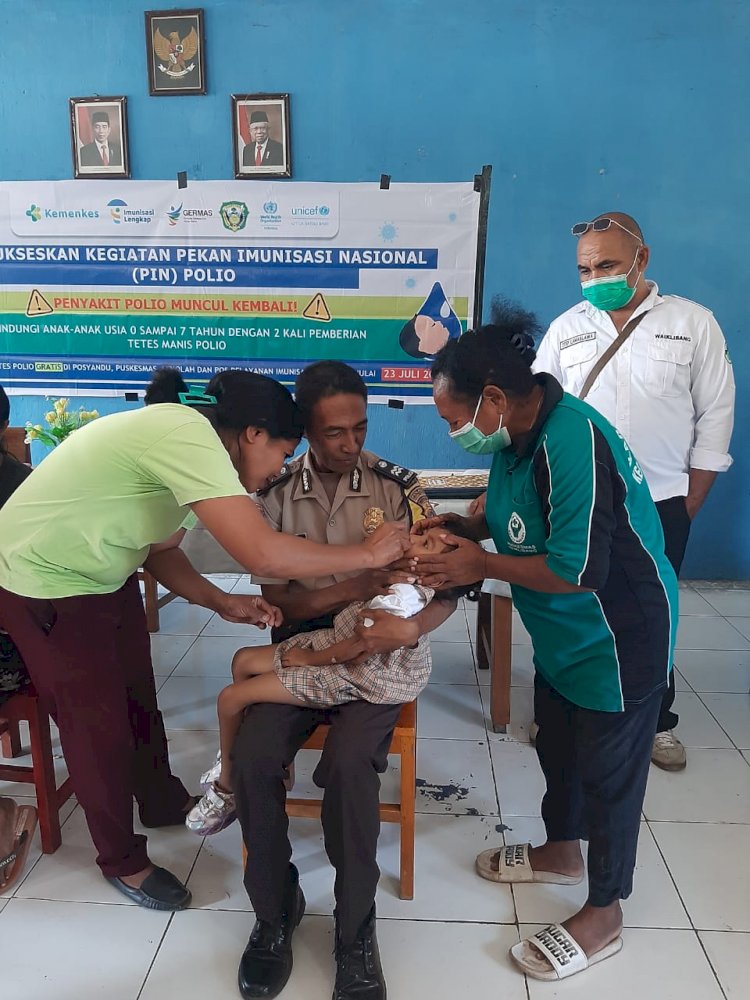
(103, 281)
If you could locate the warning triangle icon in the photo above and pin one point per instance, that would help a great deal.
(38, 305)
(317, 308)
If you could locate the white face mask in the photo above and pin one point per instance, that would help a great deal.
(476, 442)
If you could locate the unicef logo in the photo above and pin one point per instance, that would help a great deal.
(324, 210)
(270, 208)
(516, 529)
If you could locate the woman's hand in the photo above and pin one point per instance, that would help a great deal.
(465, 564)
(247, 609)
(479, 505)
(386, 633)
(387, 544)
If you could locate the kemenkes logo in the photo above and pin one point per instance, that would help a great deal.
(115, 208)
(36, 213)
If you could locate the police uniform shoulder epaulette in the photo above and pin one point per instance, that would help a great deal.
(284, 476)
(404, 477)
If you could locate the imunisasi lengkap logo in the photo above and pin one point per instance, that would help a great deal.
(122, 214)
(115, 209)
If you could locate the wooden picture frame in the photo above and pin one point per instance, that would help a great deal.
(99, 137)
(175, 52)
(265, 117)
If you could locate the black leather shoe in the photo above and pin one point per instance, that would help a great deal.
(266, 963)
(359, 974)
(161, 890)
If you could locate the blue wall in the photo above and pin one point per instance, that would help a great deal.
(640, 107)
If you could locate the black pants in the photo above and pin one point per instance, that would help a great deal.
(354, 757)
(675, 523)
(595, 765)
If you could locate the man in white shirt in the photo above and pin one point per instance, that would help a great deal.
(668, 388)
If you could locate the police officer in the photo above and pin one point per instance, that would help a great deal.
(335, 492)
(667, 387)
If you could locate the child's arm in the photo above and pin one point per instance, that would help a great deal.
(339, 652)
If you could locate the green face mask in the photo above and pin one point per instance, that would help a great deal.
(476, 442)
(612, 292)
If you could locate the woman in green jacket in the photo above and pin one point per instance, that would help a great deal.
(579, 540)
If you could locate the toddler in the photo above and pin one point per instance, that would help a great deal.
(318, 670)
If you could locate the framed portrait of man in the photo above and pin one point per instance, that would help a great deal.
(175, 52)
(260, 135)
(99, 137)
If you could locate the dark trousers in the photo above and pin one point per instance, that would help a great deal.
(354, 757)
(595, 765)
(675, 523)
(90, 661)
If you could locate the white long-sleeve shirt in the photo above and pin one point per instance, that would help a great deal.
(669, 389)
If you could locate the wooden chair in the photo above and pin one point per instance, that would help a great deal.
(151, 600)
(494, 649)
(403, 743)
(14, 440)
(26, 707)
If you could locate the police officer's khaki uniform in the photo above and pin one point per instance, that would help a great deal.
(375, 491)
(356, 749)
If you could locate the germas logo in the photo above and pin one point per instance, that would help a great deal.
(115, 209)
(174, 214)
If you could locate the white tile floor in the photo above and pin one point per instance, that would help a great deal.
(64, 934)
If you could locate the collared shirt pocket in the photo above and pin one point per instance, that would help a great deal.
(668, 367)
(576, 362)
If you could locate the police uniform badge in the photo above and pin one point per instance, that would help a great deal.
(372, 519)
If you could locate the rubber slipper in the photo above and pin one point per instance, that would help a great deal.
(511, 864)
(552, 954)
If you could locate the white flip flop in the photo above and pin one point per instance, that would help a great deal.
(552, 954)
(511, 864)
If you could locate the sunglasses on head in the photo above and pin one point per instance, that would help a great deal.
(601, 226)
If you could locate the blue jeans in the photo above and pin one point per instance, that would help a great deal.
(596, 765)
